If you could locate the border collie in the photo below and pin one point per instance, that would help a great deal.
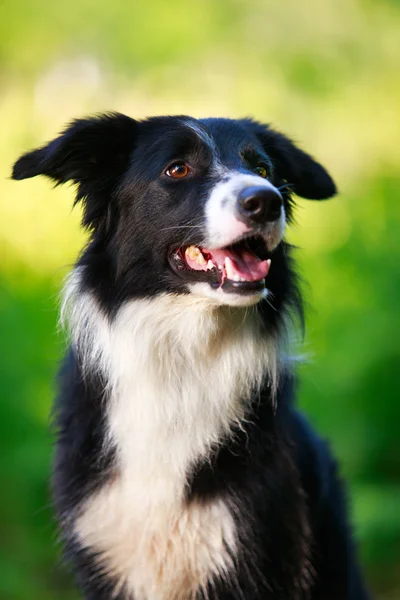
(183, 470)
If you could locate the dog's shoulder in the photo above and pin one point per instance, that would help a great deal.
(80, 462)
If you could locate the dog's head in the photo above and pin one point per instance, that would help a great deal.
(182, 205)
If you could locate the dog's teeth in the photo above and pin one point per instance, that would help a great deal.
(193, 253)
(236, 278)
(210, 264)
(230, 269)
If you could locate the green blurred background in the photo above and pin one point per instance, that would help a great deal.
(324, 71)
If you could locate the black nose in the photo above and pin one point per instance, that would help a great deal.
(259, 204)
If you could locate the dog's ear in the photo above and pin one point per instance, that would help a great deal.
(91, 153)
(304, 175)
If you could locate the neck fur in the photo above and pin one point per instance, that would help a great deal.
(176, 368)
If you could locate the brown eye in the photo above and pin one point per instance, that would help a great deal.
(177, 171)
(262, 171)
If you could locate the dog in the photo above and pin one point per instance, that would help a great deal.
(183, 470)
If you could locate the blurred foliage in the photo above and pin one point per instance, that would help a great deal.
(324, 72)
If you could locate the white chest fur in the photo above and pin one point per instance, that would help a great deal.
(180, 372)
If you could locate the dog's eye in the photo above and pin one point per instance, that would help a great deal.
(262, 170)
(178, 170)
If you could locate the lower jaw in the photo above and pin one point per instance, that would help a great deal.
(247, 288)
(231, 293)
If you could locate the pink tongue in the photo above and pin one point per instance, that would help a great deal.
(246, 265)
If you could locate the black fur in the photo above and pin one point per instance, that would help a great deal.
(292, 502)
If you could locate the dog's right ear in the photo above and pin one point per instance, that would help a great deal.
(304, 175)
(92, 153)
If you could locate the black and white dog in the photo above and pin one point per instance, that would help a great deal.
(183, 470)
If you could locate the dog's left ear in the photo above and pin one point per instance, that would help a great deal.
(304, 175)
(92, 153)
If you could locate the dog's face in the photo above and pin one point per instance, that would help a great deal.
(182, 205)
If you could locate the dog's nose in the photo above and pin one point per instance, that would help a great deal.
(259, 204)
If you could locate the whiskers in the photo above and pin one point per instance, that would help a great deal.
(285, 187)
(187, 230)
(182, 227)
(269, 298)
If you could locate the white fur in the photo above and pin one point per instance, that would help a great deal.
(220, 297)
(223, 226)
(180, 372)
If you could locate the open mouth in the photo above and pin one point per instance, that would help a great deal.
(240, 268)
